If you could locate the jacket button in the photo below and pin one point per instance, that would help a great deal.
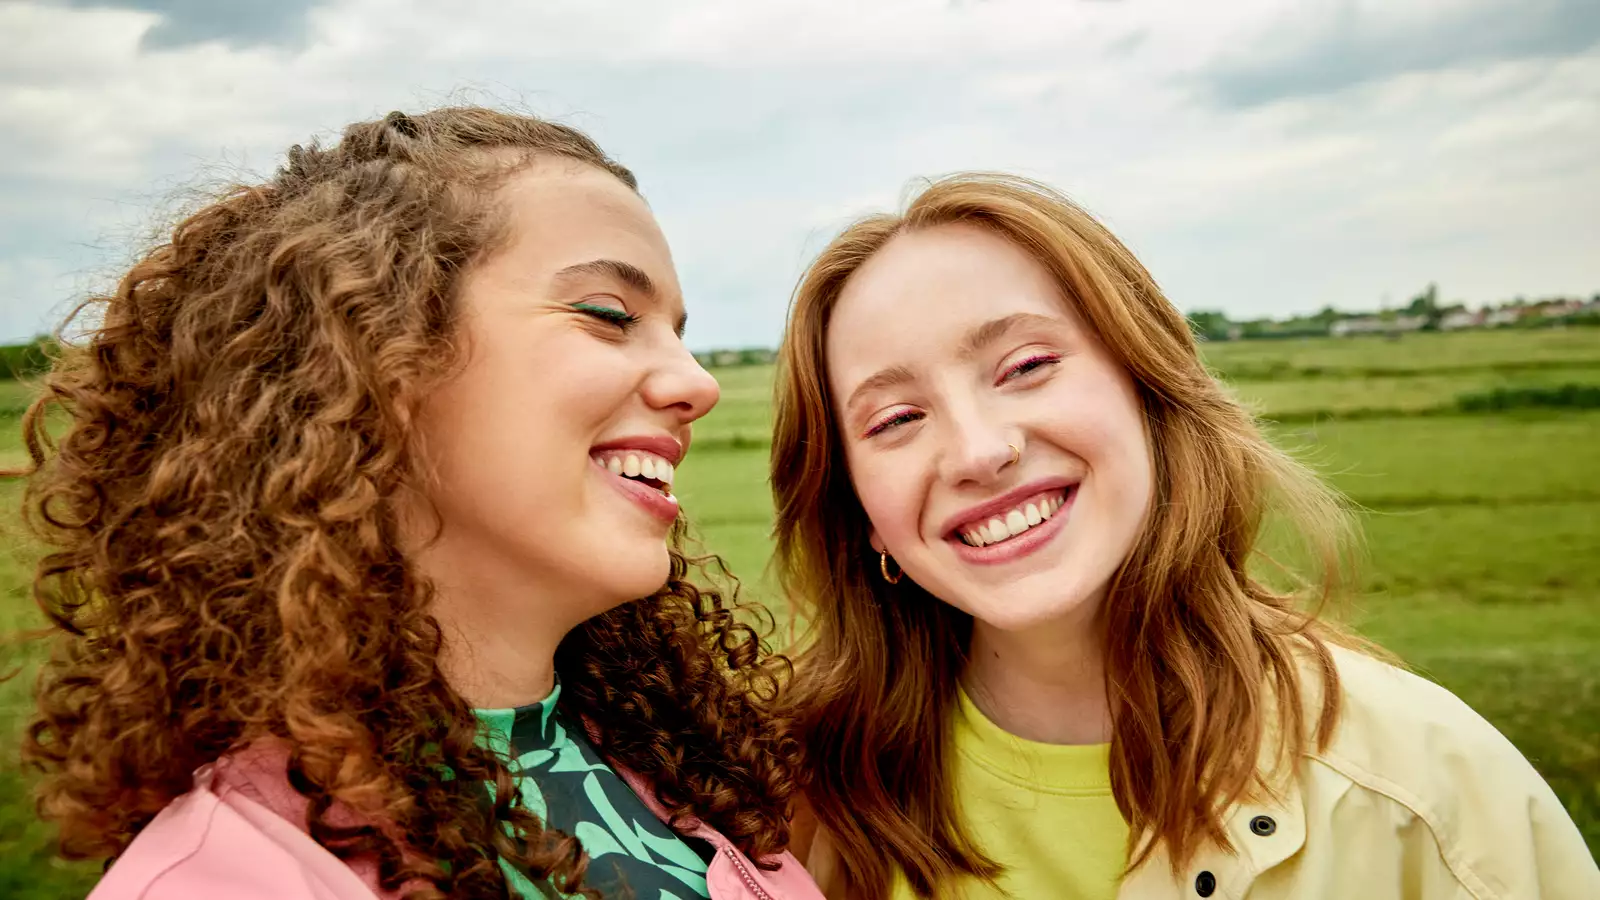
(1263, 825)
(1205, 884)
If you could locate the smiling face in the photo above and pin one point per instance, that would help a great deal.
(552, 451)
(997, 448)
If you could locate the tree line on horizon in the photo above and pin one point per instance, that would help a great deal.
(1423, 313)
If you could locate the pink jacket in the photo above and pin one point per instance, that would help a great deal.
(236, 834)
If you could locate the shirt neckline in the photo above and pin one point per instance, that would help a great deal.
(1056, 768)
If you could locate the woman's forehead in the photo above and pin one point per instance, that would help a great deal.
(559, 213)
(940, 292)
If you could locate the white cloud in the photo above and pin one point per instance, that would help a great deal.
(757, 129)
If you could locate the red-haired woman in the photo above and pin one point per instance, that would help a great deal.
(364, 472)
(1018, 515)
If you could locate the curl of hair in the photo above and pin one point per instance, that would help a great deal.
(1195, 645)
(221, 525)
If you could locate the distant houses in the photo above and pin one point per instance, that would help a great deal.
(1423, 314)
(1456, 318)
(750, 356)
(1459, 318)
(1376, 325)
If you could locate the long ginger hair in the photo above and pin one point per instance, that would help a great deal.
(220, 516)
(1194, 643)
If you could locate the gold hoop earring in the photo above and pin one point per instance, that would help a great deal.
(1016, 453)
(883, 566)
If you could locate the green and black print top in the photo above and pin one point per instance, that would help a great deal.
(563, 782)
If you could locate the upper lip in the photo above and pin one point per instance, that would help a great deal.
(993, 508)
(668, 448)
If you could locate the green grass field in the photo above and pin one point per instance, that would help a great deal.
(1483, 533)
(1421, 352)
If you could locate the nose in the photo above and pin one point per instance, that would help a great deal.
(975, 447)
(681, 385)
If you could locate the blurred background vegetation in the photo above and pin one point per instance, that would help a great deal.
(1472, 453)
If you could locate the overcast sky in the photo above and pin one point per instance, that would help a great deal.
(1261, 157)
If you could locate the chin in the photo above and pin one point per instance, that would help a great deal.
(645, 574)
(1021, 617)
(1012, 620)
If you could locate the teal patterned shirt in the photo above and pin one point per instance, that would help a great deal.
(562, 780)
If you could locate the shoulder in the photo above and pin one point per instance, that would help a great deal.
(1412, 730)
(1437, 764)
(208, 844)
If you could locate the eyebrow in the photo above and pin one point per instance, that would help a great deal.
(623, 272)
(972, 343)
(993, 330)
(615, 269)
(883, 378)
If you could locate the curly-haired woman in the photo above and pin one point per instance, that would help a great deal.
(1023, 518)
(362, 474)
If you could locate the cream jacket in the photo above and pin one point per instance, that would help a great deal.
(1415, 798)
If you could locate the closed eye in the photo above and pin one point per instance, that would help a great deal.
(1031, 364)
(893, 421)
(618, 317)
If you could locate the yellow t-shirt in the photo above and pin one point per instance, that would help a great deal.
(1042, 811)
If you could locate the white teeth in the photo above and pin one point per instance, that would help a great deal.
(1014, 523)
(638, 465)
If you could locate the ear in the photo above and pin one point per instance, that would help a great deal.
(872, 538)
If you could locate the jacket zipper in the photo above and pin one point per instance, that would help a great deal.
(744, 873)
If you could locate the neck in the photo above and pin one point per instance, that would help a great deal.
(496, 668)
(500, 633)
(1043, 683)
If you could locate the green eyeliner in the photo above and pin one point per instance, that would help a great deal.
(609, 313)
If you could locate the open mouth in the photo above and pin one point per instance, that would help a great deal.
(1004, 526)
(638, 465)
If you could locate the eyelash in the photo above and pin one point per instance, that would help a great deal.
(617, 317)
(899, 418)
(1031, 364)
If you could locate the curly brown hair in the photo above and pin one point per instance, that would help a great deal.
(220, 515)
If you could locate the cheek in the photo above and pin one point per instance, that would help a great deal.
(887, 496)
(515, 424)
(1105, 426)
(1126, 453)
(558, 391)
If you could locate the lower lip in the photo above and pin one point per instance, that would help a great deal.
(648, 498)
(1023, 544)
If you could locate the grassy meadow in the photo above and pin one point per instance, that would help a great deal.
(1483, 533)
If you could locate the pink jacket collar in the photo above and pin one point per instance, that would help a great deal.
(240, 833)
